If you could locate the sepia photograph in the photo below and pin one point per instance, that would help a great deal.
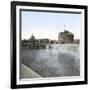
(49, 44)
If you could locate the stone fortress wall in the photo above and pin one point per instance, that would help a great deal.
(65, 37)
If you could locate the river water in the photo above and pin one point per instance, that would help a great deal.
(56, 61)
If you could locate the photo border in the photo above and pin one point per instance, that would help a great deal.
(14, 43)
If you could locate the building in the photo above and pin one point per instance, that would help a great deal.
(33, 43)
(65, 37)
(53, 41)
(77, 41)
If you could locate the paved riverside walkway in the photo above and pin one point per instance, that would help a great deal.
(26, 72)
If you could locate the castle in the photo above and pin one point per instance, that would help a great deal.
(65, 37)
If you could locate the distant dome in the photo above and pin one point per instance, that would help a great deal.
(32, 37)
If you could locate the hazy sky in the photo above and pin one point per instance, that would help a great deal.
(48, 25)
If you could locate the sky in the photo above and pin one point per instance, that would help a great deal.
(48, 24)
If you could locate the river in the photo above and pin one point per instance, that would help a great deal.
(57, 61)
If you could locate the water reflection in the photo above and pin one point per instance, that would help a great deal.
(56, 61)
